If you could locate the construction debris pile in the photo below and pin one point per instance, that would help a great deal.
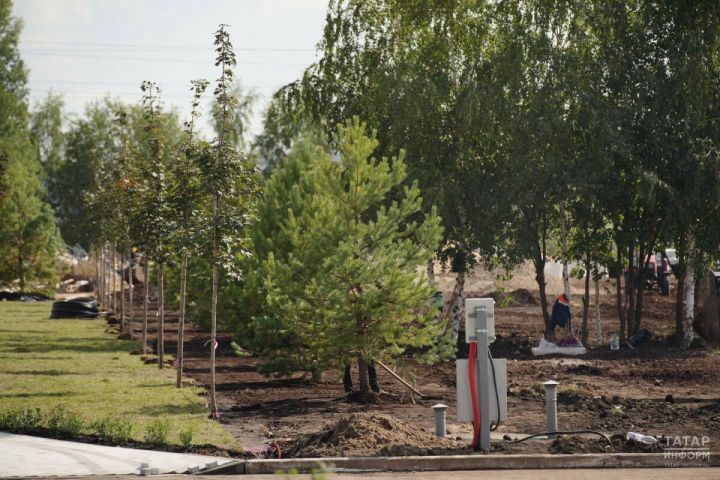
(370, 434)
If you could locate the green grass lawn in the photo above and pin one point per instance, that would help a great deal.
(45, 363)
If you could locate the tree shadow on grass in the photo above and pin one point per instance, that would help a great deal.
(107, 345)
(170, 410)
(37, 394)
(25, 331)
(50, 373)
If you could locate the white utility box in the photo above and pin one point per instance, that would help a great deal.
(474, 308)
(464, 401)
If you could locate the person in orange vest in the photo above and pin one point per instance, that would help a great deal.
(560, 317)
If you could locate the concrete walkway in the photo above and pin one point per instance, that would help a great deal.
(24, 456)
(568, 474)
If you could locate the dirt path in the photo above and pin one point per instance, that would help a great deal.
(659, 390)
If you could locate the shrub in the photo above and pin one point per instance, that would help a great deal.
(157, 431)
(186, 435)
(64, 423)
(22, 420)
(117, 430)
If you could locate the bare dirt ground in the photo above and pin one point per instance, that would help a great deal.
(655, 389)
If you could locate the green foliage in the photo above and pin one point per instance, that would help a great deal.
(29, 238)
(184, 192)
(150, 225)
(65, 423)
(22, 420)
(186, 435)
(46, 123)
(236, 127)
(285, 123)
(115, 429)
(259, 329)
(58, 422)
(345, 280)
(527, 121)
(13, 77)
(157, 430)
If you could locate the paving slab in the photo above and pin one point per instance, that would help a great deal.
(26, 456)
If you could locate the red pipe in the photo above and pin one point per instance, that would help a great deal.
(474, 395)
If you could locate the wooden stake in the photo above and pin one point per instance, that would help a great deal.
(399, 378)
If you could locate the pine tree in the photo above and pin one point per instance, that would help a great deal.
(350, 285)
(29, 238)
(263, 330)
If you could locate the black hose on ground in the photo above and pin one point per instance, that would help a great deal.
(494, 425)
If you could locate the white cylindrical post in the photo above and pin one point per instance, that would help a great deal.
(440, 414)
(551, 406)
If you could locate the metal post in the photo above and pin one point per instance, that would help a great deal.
(440, 414)
(484, 378)
(551, 406)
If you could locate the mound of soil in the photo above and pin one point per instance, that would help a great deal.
(369, 434)
(576, 444)
(515, 298)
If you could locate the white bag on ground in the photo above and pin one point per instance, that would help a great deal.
(548, 348)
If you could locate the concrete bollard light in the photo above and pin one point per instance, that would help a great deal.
(440, 414)
(551, 406)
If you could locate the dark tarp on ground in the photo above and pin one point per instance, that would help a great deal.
(22, 297)
(85, 307)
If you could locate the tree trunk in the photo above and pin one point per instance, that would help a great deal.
(564, 247)
(431, 272)
(598, 326)
(586, 306)
(630, 289)
(101, 283)
(688, 333)
(644, 261)
(131, 308)
(539, 263)
(103, 267)
(639, 305)
(619, 298)
(458, 306)
(680, 299)
(123, 325)
(363, 380)
(146, 278)
(213, 303)
(20, 269)
(181, 322)
(97, 276)
(161, 316)
(113, 280)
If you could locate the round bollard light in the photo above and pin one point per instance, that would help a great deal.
(440, 413)
(551, 406)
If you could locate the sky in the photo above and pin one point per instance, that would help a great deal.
(86, 49)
